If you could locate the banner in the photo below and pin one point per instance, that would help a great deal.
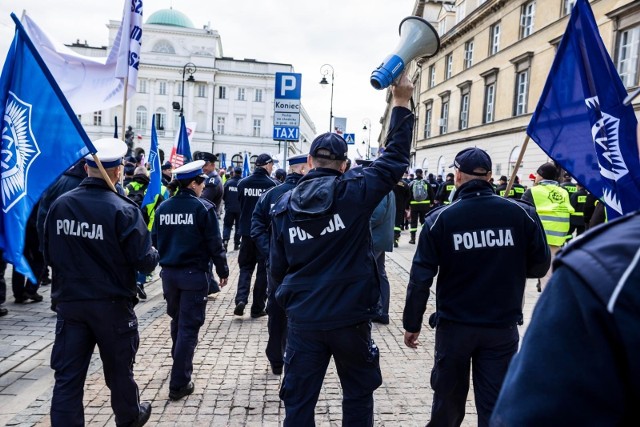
(41, 138)
(581, 121)
(339, 125)
(181, 151)
(155, 175)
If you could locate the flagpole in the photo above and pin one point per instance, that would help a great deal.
(103, 172)
(124, 106)
(515, 169)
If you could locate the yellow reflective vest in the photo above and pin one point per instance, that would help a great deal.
(554, 210)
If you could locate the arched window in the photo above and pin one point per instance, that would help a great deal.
(442, 164)
(252, 161)
(425, 164)
(513, 158)
(236, 160)
(163, 46)
(141, 119)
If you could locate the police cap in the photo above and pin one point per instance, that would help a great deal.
(472, 158)
(296, 160)
(190, 170)
(110, 151)
(263, 159)
(237, 170)
(333, 143)
(203, 155)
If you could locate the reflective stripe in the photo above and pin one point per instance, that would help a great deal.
(397, 229)
(413, 230)
(424, 202)
(553, 218)
(555, 233)
(578, 214)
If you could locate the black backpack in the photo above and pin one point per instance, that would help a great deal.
(137, 196)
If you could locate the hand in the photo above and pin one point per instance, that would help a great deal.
(411, 339)
(402, 91)
(223, 282)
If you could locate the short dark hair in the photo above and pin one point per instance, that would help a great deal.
(184, 183)
(321, 162)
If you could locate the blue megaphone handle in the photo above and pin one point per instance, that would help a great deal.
(387, 72)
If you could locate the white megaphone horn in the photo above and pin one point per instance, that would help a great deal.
(418, 39)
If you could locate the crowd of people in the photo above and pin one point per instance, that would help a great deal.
(316, 236)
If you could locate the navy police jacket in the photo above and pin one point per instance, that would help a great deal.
(261, 219)
(95, 241)
(213, 190)
(579, 363)
(249, 191)
(187, 234)
(230, 197)
(321, 255)
(482, 247)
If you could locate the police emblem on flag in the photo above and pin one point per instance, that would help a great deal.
(19, 151)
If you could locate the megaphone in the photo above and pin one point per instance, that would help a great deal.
(417, 39)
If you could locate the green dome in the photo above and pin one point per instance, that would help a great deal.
(170, 17)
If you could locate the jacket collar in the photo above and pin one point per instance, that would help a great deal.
(94, 182)
(320, 172)
(475, 187)
(293, 178)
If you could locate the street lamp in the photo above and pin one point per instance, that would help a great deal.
(325, 70)
(367, 126)
(189, 68)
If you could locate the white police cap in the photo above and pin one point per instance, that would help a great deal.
(190, 170)
(110, 151)
(296, 160)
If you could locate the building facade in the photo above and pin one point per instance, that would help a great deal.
(485, 82)
(183, 70)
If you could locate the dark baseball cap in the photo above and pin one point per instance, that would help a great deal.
(203, 155)
(263, 159)
(332, 142)
(472, 158)
(237, 170)
(166, 165)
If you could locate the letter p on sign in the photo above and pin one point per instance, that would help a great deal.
(288, 85)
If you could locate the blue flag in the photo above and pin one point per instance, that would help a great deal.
(183, 151)
(245, 167)
(155, 179)
(41, 138)
(581, 122)
(223, 162)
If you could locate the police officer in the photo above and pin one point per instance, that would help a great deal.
(420, 205)
(402, 193)
(232, 210)
(249, 191)
(260, 233)
(578, 201)
(447, 187)
(554, 208)
(187, 235)
(483, 248)
(213, 189)
(322, 260)
(95, 241)
(578, 364)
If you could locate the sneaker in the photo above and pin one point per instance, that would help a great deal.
(239, 310)
(3, 311)
(140, 291)
(33, 296)
(181, 392)
(143, 415)
(276, 369)
(259, 314)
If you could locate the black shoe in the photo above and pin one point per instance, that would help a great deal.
(276, 369)
(3, 311)
(225, 245)
(140, 291)
(181, 392)
(412, 241)
(395, 243)
(383, 320)
(236, 246)
(259, 314)
(239, 311)
(33, 296)
(20, 300)
(539, 286)
(143, 416)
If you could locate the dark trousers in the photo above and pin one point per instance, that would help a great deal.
(306, 359)
(186, 294)
(276, 326)
(385, 288)
(231, 219)
(34, 257)
(418, 212)
(3, 283)
(113, 326)
(248, 259)
(457, 346)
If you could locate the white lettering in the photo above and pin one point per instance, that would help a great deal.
(457, 239)
(80, 229)
(176, 219)
(253, 192)
(479, 239)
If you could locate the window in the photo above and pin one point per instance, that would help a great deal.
(161, 118)
(428, 117)
(628, 52)
(240, 94)
(220, 125)
(162, 88)
(567, 5)
(257, 123)
(442, 163)
(258, 97)
(522, 65)
(141, 117)
(444, 113)
(448, 67)
(163, 46)
(142, 86)
(494, 39)
(432, 75)
(222, 92)
(513, 159)
(465, 98)
(176, 120)
(252, 162)
(236, 160)
(461, 12)
(490, 82)
(468, 54)
(202, 90)
(179, 89)
(442, 26)
(527, 14)
(97, 118)
(239, 125)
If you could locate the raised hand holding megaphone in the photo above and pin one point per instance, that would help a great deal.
(417, 39)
